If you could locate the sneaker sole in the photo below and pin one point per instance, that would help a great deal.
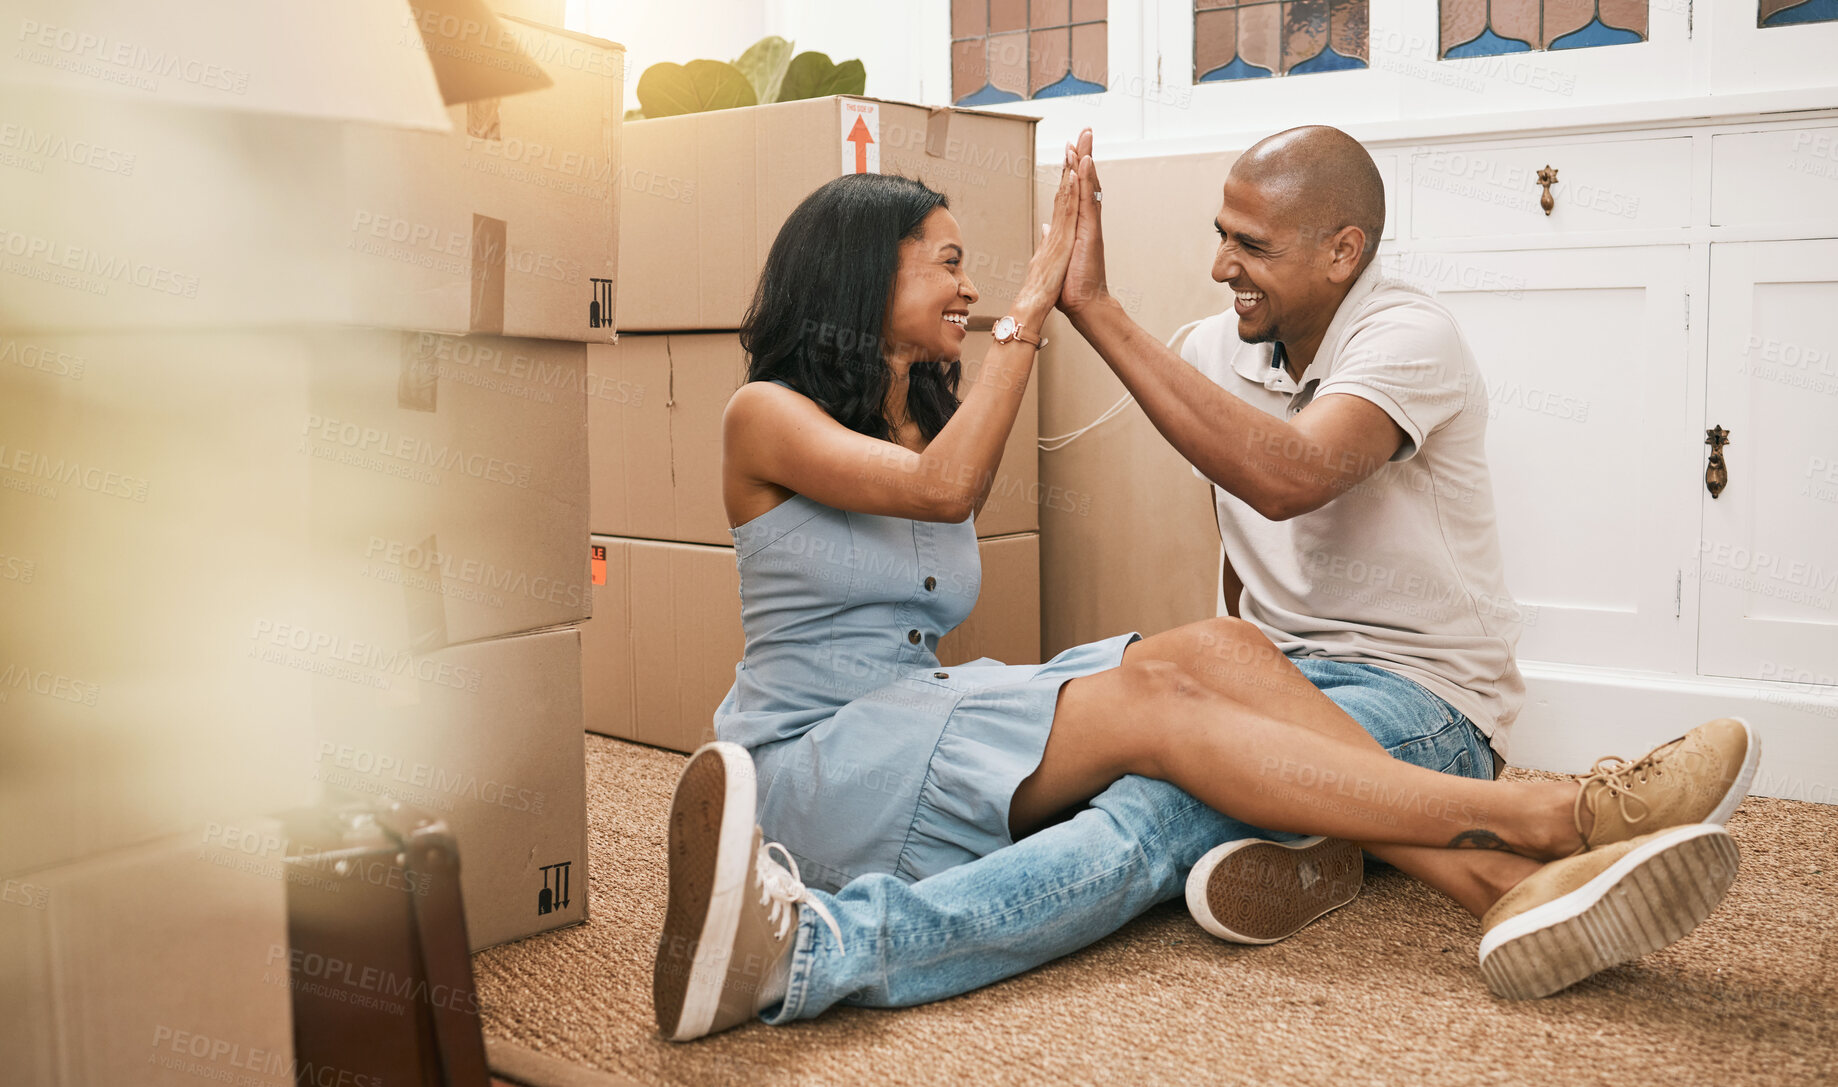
(711, 827)
(1739, 789)
(1258, 892)
(1645, 901)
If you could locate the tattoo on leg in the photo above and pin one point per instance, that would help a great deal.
(1478, 839)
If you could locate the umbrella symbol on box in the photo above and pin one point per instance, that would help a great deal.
(600, 310)
(554, 894)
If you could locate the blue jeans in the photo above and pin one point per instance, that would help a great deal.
(1076, 882)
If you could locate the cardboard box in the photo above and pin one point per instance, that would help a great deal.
(1128, 540)
(1005, 624)
(659, 654)
(654, 427)
(337, 59)
(449, 477)
(180, 562)
(143, 215)
(709, 192)
(488, 737)
(546, 12)
(160, 965)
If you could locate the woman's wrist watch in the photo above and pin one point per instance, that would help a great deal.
(1007, 330)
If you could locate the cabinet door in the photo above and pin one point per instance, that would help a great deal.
(1585, 358)
(1768, 554)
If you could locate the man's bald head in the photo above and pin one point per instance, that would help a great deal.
(1319, 179)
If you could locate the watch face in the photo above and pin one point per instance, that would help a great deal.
(1004, 329)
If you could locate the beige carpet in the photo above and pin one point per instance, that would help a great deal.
(1383, 991)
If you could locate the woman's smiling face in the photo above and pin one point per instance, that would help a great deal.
(932, 295)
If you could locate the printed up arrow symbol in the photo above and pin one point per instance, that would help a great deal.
(860, 138)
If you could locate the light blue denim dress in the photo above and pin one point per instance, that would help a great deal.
(872, 757)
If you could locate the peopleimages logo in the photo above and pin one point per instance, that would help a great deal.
(65, 470)
(415, 451)
(443, 567)
(218, 1058)
(438, 780)
(103, 268)
(337, 649)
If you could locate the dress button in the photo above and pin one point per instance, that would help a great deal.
(941, 675)
(912, 636)
(930, 584)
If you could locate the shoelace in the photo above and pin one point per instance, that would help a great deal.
(1618, 776)
(783, 890)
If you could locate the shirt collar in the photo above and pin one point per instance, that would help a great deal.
(1260, 362)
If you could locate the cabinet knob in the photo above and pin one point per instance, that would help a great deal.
(1717, 472)
(1547, 177)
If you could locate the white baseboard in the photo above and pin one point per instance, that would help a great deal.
(1574, 715)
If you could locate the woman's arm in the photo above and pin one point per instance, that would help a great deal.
(776, 437)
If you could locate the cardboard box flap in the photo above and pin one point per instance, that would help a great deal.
(358, 60)
(473, 55)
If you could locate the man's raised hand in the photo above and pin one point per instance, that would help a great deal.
(1085, 283)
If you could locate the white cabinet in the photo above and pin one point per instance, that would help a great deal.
(1584, 355)
(1784, 175)
(1695, 287)
(1612, 185)
(1768, 556)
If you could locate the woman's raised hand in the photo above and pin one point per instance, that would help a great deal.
(1046, 272)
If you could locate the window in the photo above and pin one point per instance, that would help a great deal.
(1791, 12)
(1008, 50)
(1483, 28)
(1253, 39)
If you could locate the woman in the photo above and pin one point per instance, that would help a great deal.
(852, 473)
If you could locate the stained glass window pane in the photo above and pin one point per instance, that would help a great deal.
(1484, 28)
(1010, 50)
(1792, 12)
(1255, 39)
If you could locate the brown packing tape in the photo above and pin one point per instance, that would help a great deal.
(490, 245)
(472, 54)
(482, 119)
(418, 387)
(424, 601)
(938, 131)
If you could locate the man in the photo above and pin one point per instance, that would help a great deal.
(1340, 420)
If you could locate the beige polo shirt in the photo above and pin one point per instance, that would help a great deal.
(1402, 571)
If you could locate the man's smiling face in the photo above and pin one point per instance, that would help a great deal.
(1273, 263)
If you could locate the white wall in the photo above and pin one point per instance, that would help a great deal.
(882, 35)
(1703, 58)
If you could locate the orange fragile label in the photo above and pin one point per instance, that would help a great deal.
(599, 564)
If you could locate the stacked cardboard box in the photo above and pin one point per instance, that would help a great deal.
(708, 194)
(293, 429)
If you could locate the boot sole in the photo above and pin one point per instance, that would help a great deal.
(711, 827)
(1258, 892)
(1647, 900)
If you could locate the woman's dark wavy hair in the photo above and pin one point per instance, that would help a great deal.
(817, 316)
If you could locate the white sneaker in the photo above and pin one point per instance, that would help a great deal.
(732, 918)
(1254, 891)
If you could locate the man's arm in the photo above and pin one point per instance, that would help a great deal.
(1280, 468)
(1230, 586)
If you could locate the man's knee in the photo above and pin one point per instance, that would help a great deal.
(1227, 648)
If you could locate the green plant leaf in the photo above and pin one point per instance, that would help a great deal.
(666, 89)
(811, 75)
(764, 65)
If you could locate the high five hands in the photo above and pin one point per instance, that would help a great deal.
(1067, 269)
(1084, 284)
